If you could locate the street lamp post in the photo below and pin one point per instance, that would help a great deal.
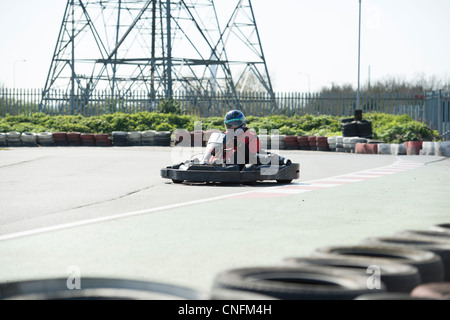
(14, 77)
(358, 104)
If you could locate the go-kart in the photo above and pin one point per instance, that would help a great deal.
(212, 167)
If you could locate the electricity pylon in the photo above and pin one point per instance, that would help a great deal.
(156, 46)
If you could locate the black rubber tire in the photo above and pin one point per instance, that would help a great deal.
(441, 249)
(295, 283)
(444, 227)
(429, 264)
(284, 181)
(397, 277)
(425, 234)
(390, 296)
(96, 289)
(177, 181)
(226, 294)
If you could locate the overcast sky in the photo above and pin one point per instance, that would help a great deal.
(307, 43)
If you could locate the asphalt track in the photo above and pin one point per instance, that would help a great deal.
(108, 212)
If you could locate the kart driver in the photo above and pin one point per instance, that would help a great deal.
(241, 145)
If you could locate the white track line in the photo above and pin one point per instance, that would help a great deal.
(314, 184)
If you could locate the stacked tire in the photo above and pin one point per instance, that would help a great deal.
(265, 141)
(197, 138)
(340, 144)
(332, 143)
(312, 140)
(291, 143)
(134, 138)
(278, 140)
(87, 140)
(303, 143)
(322, 144)
(163, 138)
(413, 147)
(120, 138)
(74, 138)
(13, 139)
(349, 128)
(148, 138)
(45, 139)
(102, 140)
(3, 142)
(60, 139)
(364, 128)
(29, 139)
(350, 144)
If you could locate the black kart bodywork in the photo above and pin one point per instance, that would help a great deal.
(269, 166)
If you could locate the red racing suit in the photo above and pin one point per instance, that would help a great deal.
(241, 147)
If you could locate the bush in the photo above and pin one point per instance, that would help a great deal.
(386, 127)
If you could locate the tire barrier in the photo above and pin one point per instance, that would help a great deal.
(340, 144)
(425, 235)
(390, 296)
(303, 143)
(134, 138)
(102, 140)
(198, 138)
(265, 141)
(350, 143)
(322, 144)
(163, 138)
(227, 294)
(444, 227)
(429, 264)
(349, 129)
(295, 283)
(45, 139)
(413, 147)
(96, 289)
(312, 140)
(87, 140)
(60, 139)
(441, 249)
(148, 138)
(364, 128)
(3, 142)
(437, 291)
(366, 148)
(278, 139)
(29, 139)
(441, 149)
(397, 277)
(291, 143)
(74, 138)
(120, 138)
(360, 128)
(332, 143)
(13, 139)
(392, 149)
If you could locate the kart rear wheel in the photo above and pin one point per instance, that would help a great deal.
(284, 181)
(177, 181)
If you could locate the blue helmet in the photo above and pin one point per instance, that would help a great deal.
(234, 119)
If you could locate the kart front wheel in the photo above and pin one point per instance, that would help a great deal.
(284, 181)
(177, 181)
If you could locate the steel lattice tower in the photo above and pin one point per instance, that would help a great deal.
(159, 46)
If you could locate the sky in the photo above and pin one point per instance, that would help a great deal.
(307, 44)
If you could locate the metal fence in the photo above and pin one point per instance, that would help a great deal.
(437, 112)
(28, 102)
